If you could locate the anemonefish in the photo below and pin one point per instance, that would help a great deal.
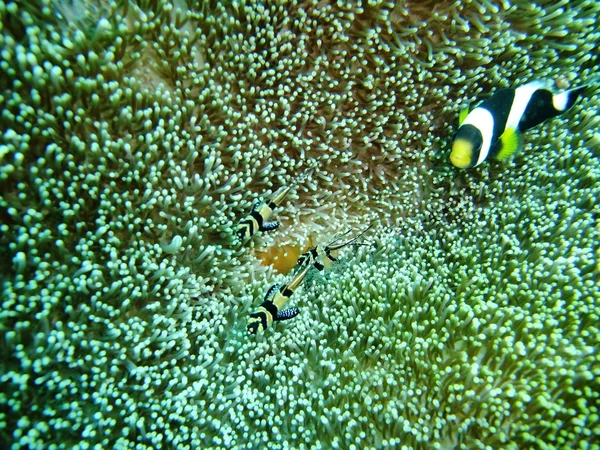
(258, 219)
(494, 128)
(321, 256)
(270, 309)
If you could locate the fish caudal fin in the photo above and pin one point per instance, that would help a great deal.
(269, 226)
(287, 314)
(566, 99)
(510, 143)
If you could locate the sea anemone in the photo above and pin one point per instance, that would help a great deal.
(136, 134)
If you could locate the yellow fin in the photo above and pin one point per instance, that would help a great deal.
(510, 143)
(463, 115)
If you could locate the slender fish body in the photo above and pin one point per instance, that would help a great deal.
(322, 256)
(260, 216)
(271, 309)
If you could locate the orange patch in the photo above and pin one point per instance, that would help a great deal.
(283, 259)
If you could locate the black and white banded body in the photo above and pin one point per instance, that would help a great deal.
(259, 217)
(321, 256)
(271, 309)
(494, 128)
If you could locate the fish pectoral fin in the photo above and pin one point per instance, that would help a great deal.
(269, 226)
(510, 143)
(463, 115)
(287, 314)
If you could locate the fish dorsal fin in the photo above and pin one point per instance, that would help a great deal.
(463, 115)
(271, 292)
(544, 83)
(510, 143)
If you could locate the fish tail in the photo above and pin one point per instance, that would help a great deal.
(566, 99)
(573, 94)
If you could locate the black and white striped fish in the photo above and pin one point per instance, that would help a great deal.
(321, 256)
(271, 309)
(494, 128)
(259, 217)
